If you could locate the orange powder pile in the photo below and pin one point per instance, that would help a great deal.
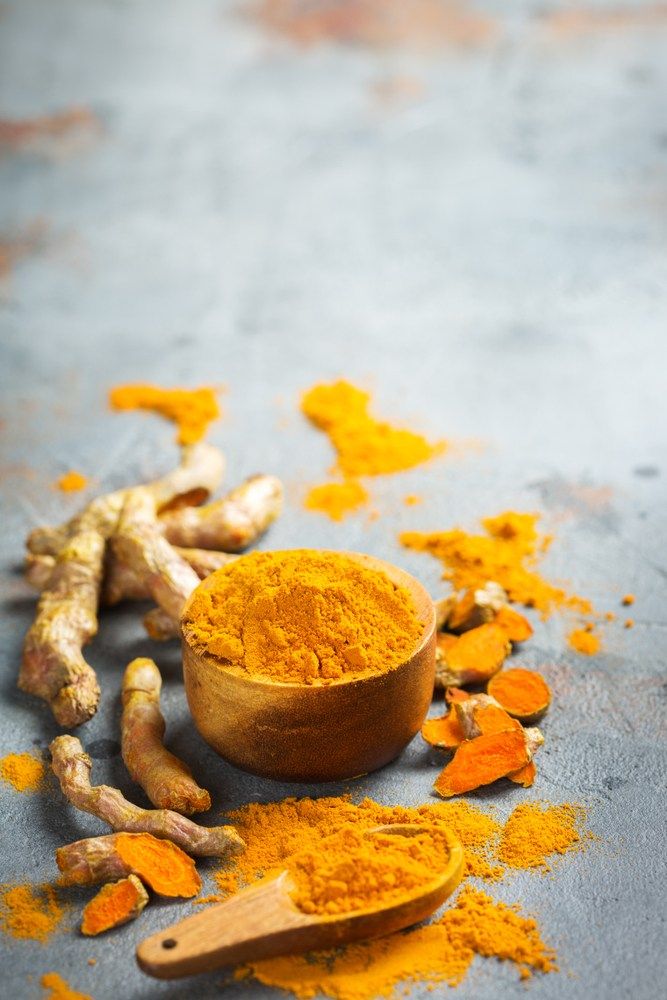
(23, 771)
(192, 410)
(336, 500)
(364, 446)
(439, 952)
(29, 912)
(584, 640)
(71, 482)
(507, 553)
(536, 830)
(59, 989)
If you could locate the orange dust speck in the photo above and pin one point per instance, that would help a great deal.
(628, 623)
(584, 641)
(71, 482)
(628, 600)
(411, 500)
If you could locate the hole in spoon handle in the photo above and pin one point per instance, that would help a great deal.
(169, 943)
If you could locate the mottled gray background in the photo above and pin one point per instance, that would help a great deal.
(474, 231)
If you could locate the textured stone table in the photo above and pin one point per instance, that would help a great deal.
(475, 229)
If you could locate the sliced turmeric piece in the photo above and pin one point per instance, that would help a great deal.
(481, 718)
(454, 694)
(525, 776)
(163, 866)
(116, 903)
(444, 732)
(523, 693)
(471, 658)
(516, 626)
(482, 761)
(477, 606)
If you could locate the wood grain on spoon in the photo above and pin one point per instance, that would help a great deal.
(263, 922)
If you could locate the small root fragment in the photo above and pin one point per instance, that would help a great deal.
(163, 866)
(167, 781)
(471, 658)
(477, 606)
(72, 767)
(116, 903)
(482, 761)
(230, 524)
(516, 626)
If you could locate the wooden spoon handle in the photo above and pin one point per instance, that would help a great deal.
(258, 923)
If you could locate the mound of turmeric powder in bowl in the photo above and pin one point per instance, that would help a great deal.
(302, 617)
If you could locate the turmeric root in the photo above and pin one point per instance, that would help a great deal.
(72, 767)
(443, 608)
(116, 903)
(523, 693)
(525, 776)
(160, 626)
(516, 626)
(163, 866)
(444, 732)
(477, 606)
(167, 781)
(471, 658)
(139, 544)
(481, 715)
(53, 666)
(482, 761)
(230, 524)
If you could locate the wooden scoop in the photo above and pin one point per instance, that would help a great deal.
(262, 922)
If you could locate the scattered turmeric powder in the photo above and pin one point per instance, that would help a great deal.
(349, 870)
(72, 482)
(116, 903)
(163, 866)
(508, 553)
(628, 600)
(628, 623)
(584, 641)
(59, 989)
(523, 693)
(23, 771)
(30, 912)
(192, 410)
(302, 616)
(412, 499)
(439, 952)
(336, 500)
(364, 446)
(536, 830)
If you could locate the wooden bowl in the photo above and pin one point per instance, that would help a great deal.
(309, 732)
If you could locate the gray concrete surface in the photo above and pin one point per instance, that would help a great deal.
(476, 233)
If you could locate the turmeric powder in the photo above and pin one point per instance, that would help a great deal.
(192, 410)
(337, 500)
(585, 641)
(350, 871)
(23, 771)
(536, 830)
(30, 912)
(163, 866)
(439, 952)
(508, 553)
(364, 446)
(116, 903)
(72, 482)
(59, 989)
(302, 616)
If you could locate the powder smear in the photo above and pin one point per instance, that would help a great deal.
(536, 830)
(71, 482)
(23, 771)
(507, 553)
(192, 410)
(29, 912)
(336, 500)
(584, 641)
(59, 989)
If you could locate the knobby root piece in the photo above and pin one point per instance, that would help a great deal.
(471, 658)
(116, 903)
(526, 775)
(480, 714)
(72, 768)
(516, 626)
(523, 693)
(482, 761)
(38, 570)
(444, 732)
(193, 481)
(139, 544)
(167, 781)
(230, 524)
(53, 667)
(163, 866)
(160, 626)
(443, 608)
(476, 607)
